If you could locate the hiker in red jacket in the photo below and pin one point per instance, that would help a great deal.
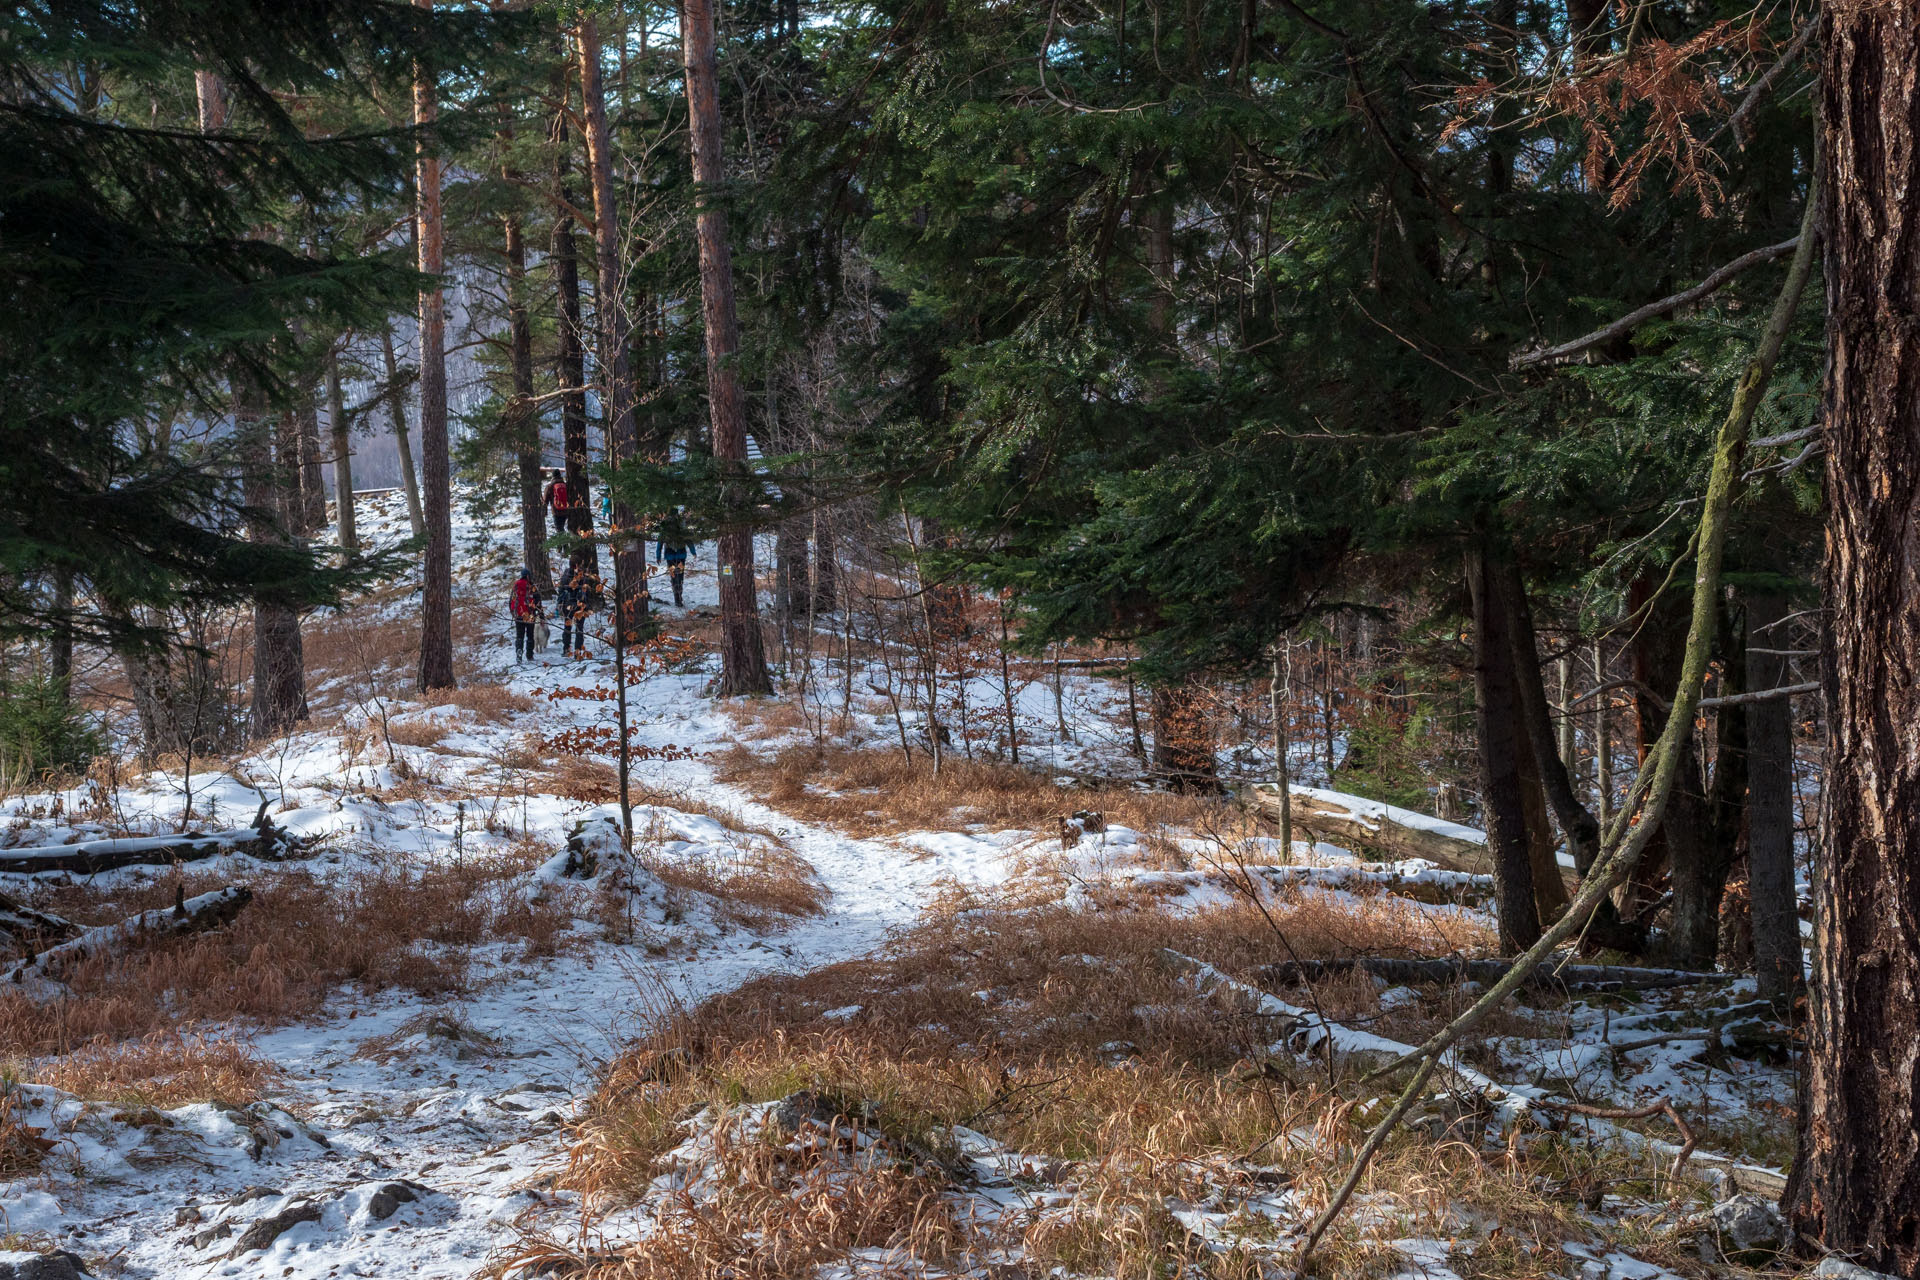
(524, 605)
(558, 501)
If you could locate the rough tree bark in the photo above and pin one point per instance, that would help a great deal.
(1576, 822)
(1500, 794)
(341, 431)
(742, 648)
(1857, 1179)
(279, 665)
(60, 643)
(436, 493)
(1182, 754)
(570, 358)
(403, 442)
(1776, 918)
(525, 417)
(279, 683)
(312, 488)
(627, 536)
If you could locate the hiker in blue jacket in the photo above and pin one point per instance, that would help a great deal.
(672, 549)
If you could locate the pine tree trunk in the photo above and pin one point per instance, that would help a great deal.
(1858, 1174)
(627, 536)
(312, 482)
(826, 577)
(279, 669)
(339, 428)
(60, 643)
(1770, 881)
(742, 650)
(1182, 755)
(1500, 784)
(397, 406)
(525, 428)
(570, 357)
(436, 480)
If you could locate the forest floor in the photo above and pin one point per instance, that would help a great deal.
(837, 1018)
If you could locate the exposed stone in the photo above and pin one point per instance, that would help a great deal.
(265, 1231)
(60, 1265)
(1841, 1269)
(206, 1236)
(389, 1196)
(1750, 1229)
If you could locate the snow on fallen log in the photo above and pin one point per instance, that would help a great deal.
(19, 922)
(185, 916)
(1303, 1030)
(1414, 878)
(1367, 826)
(90, 856)
(1566, 977)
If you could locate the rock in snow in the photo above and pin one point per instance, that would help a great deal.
(1750, 1228)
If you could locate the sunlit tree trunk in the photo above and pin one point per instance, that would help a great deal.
(1858, 1171)
(627, 534)
(436, 479)
(525, 426)
(570, 359)
(742, 649)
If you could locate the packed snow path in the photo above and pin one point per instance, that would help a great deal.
(465, 1112)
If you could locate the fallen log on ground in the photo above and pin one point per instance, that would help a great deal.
(22, 924)
(186, 915)
(89, 856)
(1303, 1030)
(1370, 829)
(1415, 878)
(1562, 978)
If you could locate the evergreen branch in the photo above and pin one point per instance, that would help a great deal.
(1631, 831)
(1634, 319)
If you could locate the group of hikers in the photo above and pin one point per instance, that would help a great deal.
(578, 595)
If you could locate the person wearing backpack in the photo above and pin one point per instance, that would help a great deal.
(673, 548)
(524, 605)
(557, 500)
(570, 602)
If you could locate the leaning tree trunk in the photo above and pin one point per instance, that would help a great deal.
(397, 405)
(1770, 880)
(436, 480)
(570, 358)
(627, 536)
(341, 431)
(1500, 794)
(742, 649)
(1858, 1174)
(525, 426)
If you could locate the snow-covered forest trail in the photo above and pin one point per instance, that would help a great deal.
(409, 1134)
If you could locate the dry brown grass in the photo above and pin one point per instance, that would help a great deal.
(759, 885)
(161, 1069)
(488, 703)
(424, 733)
(22, 1147)
(875, 792)
(584, 779)
(392, 925)
(1063, 1036)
